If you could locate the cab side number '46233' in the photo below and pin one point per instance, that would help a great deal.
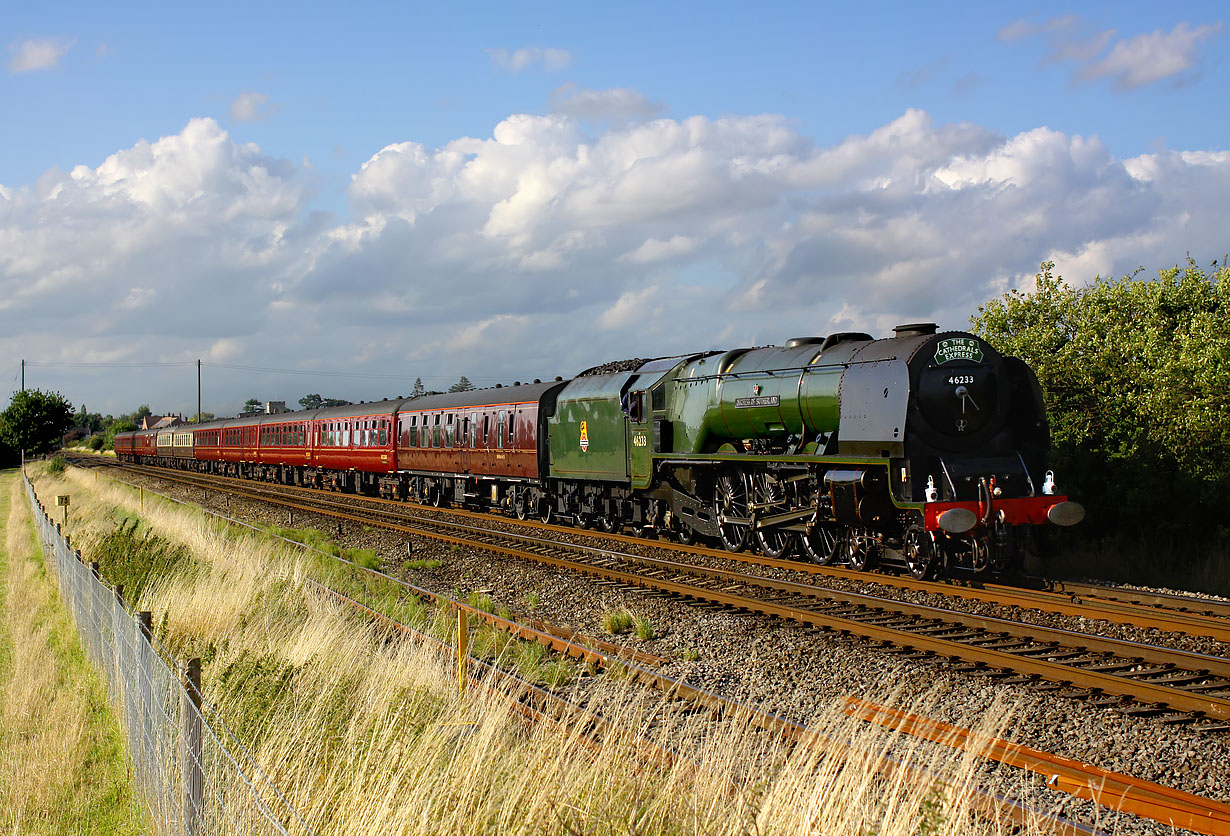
(640, 440)
(958, 379)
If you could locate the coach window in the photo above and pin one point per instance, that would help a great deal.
(501, 438)
(435, 431)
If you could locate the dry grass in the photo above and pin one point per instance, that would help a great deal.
(63, 767)
(367, 735)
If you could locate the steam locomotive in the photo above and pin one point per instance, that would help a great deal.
(925, 450)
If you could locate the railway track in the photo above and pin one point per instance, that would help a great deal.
(1187, 615)
(1112, 790)
(1104, 671)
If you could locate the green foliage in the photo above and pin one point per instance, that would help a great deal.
(251, 405)
(57, 465)
(617, 621)
(462, 385)
(121, 426)
(134, 559)
(643, 629)
(423, 563)
(367, 558)
(419, 389)
(96, 441)
(315, 401)
(1135, 374)
(35, 421)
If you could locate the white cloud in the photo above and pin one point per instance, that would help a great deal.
(514, 61)
(1132, 62)
(38, 55)
(252, 107)
(655, 250)
(628, 308)
(1145, 59)
(542, 249)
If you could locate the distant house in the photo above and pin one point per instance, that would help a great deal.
(158, 422)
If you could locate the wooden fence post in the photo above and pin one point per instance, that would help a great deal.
(463, 648)
(194, 779)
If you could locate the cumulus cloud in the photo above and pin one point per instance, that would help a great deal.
(544, 248)
(1131, 62)
(252, 107)
(617, 106)
(38, 55)
(515, 60)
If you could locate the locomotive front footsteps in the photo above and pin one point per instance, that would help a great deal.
(927, 450)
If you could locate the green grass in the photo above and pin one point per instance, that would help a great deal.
(367, 558)
(423, 563)
(134, 558)
(63, 763)
(643, 629)
(617, 621)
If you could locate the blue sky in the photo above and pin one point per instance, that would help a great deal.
(398, 187)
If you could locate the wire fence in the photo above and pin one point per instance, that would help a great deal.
(195, 776)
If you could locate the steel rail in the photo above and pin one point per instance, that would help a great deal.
(1112, 790)
(1140, 690)
(1109, 789)
(1197, 617)
(573, 715)
(1146, 599)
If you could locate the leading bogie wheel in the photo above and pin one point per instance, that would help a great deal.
(860, 550)
(920, 554)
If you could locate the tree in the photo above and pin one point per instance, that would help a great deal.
(35, 421)
(251, 405)
(419, 390)
(462, 385)
(1135, 375)
(317, 402)
(123, 425)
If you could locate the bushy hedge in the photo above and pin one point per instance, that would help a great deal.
(1136, 375)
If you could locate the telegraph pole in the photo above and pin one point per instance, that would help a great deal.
(198, 391)
(23, 374)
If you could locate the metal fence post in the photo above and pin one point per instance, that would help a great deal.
(194, 779)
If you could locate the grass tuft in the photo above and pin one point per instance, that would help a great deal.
(617, 621)
(644, 629)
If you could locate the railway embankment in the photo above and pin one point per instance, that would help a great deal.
(364, 732)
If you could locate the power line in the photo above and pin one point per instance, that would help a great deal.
(239, 367)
